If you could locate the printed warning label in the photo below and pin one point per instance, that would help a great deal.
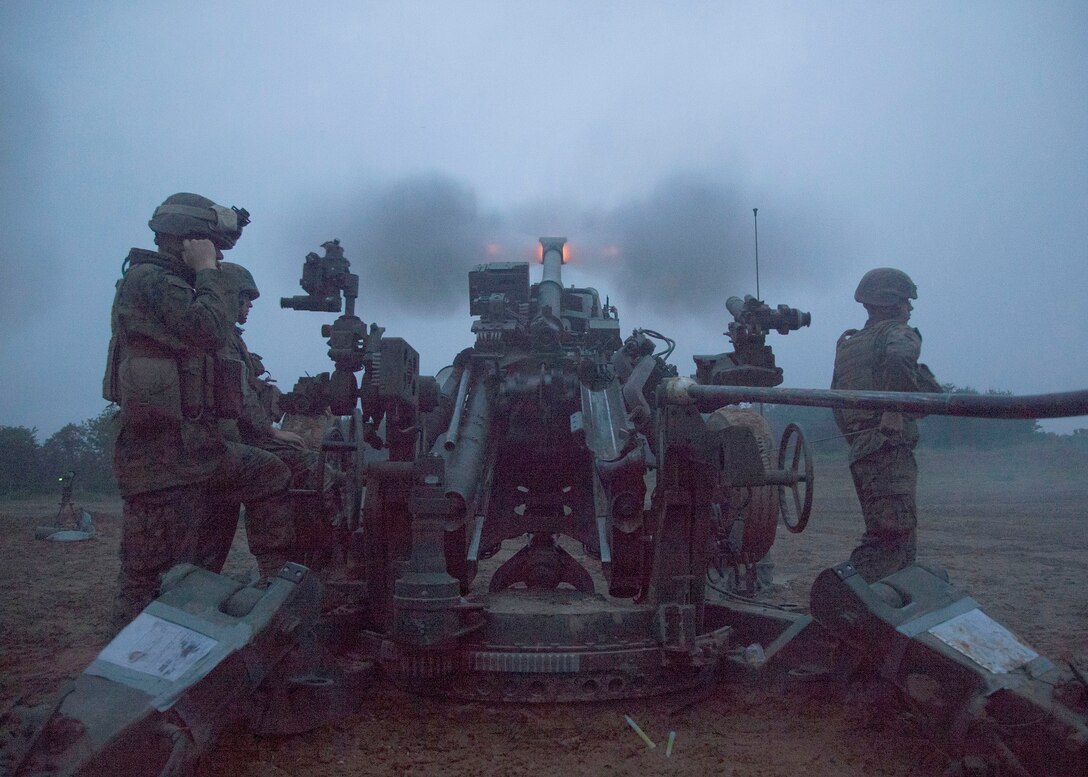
(985, 641)
(157, 647)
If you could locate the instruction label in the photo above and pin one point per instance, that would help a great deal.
(985, 641)
(157, 647)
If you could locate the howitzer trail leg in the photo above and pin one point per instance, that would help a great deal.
(973, 683)
(189, 665)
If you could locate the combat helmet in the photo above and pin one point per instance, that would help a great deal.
(885, 286)
(240, 278)
(187, 215)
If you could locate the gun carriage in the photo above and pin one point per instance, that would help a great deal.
(553, 433)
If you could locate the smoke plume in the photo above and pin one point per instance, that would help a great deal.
(682, 248)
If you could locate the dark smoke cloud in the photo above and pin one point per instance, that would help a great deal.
(682, 248)
(677, 248)
(415, 241)
(690, 243)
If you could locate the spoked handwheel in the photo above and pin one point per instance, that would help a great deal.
(795, 516)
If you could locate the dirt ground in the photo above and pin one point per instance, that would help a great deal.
(1010, 528)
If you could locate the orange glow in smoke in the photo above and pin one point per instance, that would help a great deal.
(493, 249)
(610, 252)
(564, 254)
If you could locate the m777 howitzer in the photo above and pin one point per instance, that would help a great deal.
(619, 488)
(540, 521)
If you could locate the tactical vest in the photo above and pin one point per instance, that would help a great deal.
(253, 424)
(859, 357)
(151, 372)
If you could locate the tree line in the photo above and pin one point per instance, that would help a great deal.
(27, 467)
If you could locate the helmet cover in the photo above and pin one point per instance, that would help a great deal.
(240, 279)
(885, 286)
(187, 215)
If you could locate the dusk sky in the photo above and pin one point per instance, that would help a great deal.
(947, 139)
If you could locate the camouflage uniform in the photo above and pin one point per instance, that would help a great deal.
(270, 524)
(883, 356)
(268, 393)
(168, 322)
(277, 529)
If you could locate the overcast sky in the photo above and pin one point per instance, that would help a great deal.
(947, 139)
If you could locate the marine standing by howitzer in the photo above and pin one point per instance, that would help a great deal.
(275, 533)
(172, 316)
(883, 356)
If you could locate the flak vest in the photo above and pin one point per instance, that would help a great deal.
(859, 354)
(154, 375)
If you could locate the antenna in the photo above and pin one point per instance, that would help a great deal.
(755, 226)
(755, 223)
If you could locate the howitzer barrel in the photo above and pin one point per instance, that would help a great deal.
(458, 408)
(1057, 405)
(550, 290)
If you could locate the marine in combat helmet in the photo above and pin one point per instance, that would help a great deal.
(172, 316)
(883, 356)
(276, 531)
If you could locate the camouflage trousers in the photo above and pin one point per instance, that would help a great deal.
(885, 482)
(163, 528)
(277, 529)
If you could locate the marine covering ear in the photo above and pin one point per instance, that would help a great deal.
(188, 215)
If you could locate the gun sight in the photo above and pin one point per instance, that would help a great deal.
(752, 313)
(324, 278)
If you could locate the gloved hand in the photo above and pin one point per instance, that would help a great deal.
(288, 437)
